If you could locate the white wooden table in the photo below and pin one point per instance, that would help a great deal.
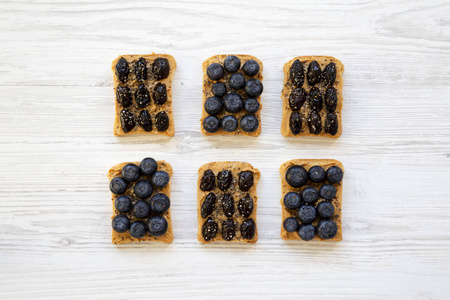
(56, 118)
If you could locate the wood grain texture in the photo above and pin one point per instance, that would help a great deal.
(56, 110)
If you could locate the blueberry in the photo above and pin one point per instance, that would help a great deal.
(233, 102)
(208, 181)
(148, 166)
(297, 73)
(295, 122)
(297, 98)
(161, 68)
(142, 96)
(208, 205)
(291, 224)
(159, 94)
(123, 95)
(331, 124)
(325, 209)
(245, 180)
(236, 81)
(157, 225)
(232, 63)
(209, 229)
(211, 124)
(141, 209)
(120, 223)
(316, 174)
(213, 105)
(145, 120)
(327, 229)
(327, 191)
(245, 206)
(334, 174)
(307, 232)
(251, 105)
(138, 229)
(248, 229)
(292, 200)
(296, 176)
(122, 204)
(249, 123)
(130, 172)
(118, 185)
(314, 73)
(160, 179)
(140, 69)
(254, 87)
(122, 69)
(219, 89)
(251, 67)
(127, 120)
(159, 203)
(331, 99)
(228, 230)
(307, 214)
(229, 123)
(143, 189)
(310, 194)
(162, 121)
(215, 71)
(329, 74)
(314, 123)
(315, 99)
(224, 180)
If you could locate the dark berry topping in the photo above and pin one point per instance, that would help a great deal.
(296, 176)
(249, 123)
(314, 73)
(130, 172)
(315, 99)
(236, 81)
(122, 69)
(123, 95)
(314, 123)
(140, 69)
(327, 191)
(291, 224)
(228, 230)
(316, 174)
(297, 73)
(331, 99)
(213, 105)
(233, 102)
(245, 206)
(251, 67)
(122, 204)
(297, 98)
(143, 189)
(254, 87)
(211, 124)
(159, 94)
(331, 124)
(307, 232)
(159, 203)
(251, 105)
(329, 74)
(292, 200)
(127, 120)
(245, 180)
(248, 229)
(161, 68)
(219, 89)
(138, 229)
(327, 229)
(118, 185)
(310, 194)
(148, 166)
(208, 205)
(209, 229)
(160, 179)
(232, 63)
(295, 122)
(229, 123)
(334, 174)
(307, 214)
(145, 120)
(142, 96)
(208, 181)
(157, 225)
(224, 179)
(325, 209)
(162, 121)
(120, 223)
(141, 209)
(215, 71)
